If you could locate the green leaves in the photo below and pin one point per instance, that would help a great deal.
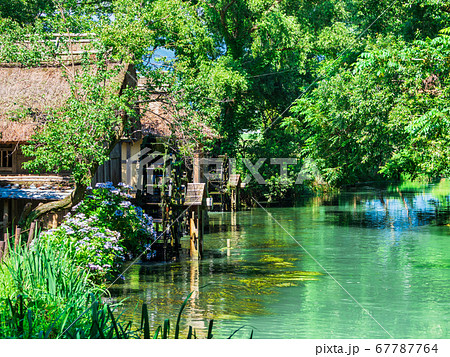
(25, 11)
(78, 136)
(42, 289)
(236, 66)
(279, 39)
(383, 117)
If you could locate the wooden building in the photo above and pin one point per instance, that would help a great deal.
(26, 96)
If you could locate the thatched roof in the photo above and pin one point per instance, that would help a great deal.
(27, 94)
(156, 120)
(162, 118)
(159, 119)
(12, 132)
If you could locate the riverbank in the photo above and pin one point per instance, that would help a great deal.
(53, 287)
(45, 294)
(388, 248)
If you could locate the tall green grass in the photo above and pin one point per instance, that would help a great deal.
(41, 291)
(43, 294)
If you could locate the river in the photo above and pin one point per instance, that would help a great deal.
(368, 264)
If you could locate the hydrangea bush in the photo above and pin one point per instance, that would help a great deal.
(104, 229)
(110, 207)
(96, 248)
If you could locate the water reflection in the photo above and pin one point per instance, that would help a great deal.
(388, 248)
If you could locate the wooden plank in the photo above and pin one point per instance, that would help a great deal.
(116, 170)
(31, 233)
(235, 180)
(195, 195)
(6, 240)
(17, 236)
(107, 168)
(101, 173)
(2, 248)
(32, 178)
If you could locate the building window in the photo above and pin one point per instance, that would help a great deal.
(5, 158)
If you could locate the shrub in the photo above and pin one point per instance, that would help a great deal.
(109, 207)
(97, 249)
(103, 230)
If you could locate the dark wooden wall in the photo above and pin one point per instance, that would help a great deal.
(112, 169)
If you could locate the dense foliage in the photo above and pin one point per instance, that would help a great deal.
(74, 136)
(384, 114)
(357, 86)
(109, 208)
(103, 230)
(42, 292)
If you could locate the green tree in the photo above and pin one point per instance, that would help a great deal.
(239, 64)
(386, 114)
(79, 135)
(25, 11)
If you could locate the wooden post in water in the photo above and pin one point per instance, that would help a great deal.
(196, 232)
(235, 185)
(196, 200)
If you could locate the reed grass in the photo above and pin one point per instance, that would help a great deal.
(41, 290)
(44, 294)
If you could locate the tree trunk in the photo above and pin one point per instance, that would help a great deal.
(74, 198)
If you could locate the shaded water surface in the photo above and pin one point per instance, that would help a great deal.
(389, 249)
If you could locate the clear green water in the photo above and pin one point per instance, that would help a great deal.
(389, 249)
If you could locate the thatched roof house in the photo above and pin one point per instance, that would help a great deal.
(162, 123)
(27, 95)
(161, 117)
